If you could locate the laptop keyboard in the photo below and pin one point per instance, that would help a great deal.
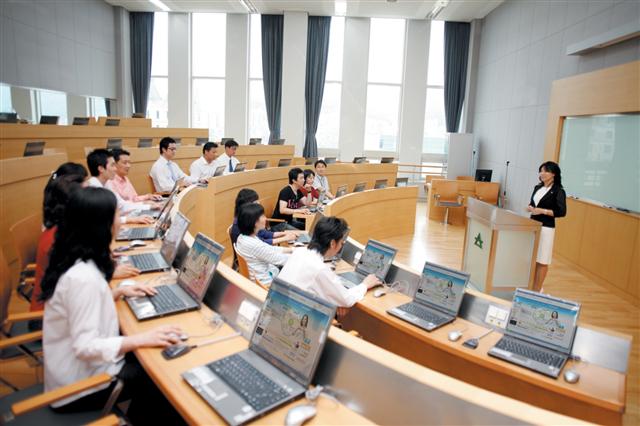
(422, 313)
(166, 300)
(530, 351)
(257, 389)
(146, 261)
(140, 233)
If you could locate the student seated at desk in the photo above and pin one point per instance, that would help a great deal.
(308, 269)
(248, 196)
(204, 167)
(262, 259)
(228, 159)
(308, 190)
(81, 336)
(289, 201)
(121, 184)
(320, 181)
(164, 172)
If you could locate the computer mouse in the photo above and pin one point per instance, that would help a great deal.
(379, 292)
(137, 243)
(571, 376)
(126, 283)
(175, 351)
(300, 414)
(182, 336)
(455, 335)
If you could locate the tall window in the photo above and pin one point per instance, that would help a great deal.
(5, 98)
(158, 104)
(386, 58)
(329, 123)
(435, 129)
(208, 55)
(53, 103)
(97, 107)
(258, 125)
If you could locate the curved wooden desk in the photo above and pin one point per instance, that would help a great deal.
(350, 174)
(349, 365)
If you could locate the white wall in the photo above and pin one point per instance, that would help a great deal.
(124, 90)
(236, 77)
(179, 70)
(522, 50)
(59, 45)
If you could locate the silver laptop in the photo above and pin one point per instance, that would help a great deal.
(162, 260)
(400, 182)
(540, 332)
(306, 237)
(437, 299)
(33, 148)
(219, 171)
(240, 167)
(330, 160)
(360, 187)
(193, 281)
(278, 142)
(386, 160)
(359, 160)
(284, 350)
(114, 143)
(376, 259)
(284, 162)
(255, 141)
(156, 213)
(380, 183)
(342, 190)
(145, 142)
(262, 164)
(149, 232)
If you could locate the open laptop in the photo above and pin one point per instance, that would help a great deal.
(262, 164)
(8, 117)
(145, 142)
(380, 184)
(342, 190)
(49, 119)
(284, 162)
(306, 237)
(240, 167)
(148, 232)
(376, 259)
(437, 299)
(219, 171)
(330, 160)
(255, 141)
(386, 160)
(112, 122)
(162, 260)
(284, 350)
(33, 148)
(80, 121)
(114, 143)
(156, 213)
(540, 332)
(359, 160)
(400, 182)
(361, 186)
(309, 161)
(277, 142)
(193, 281)
(201, 141)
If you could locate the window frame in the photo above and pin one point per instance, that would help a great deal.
(431, 157)
(166, 77)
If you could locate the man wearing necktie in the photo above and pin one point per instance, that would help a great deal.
(228, 159)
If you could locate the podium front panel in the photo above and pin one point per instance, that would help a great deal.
(513, 259)
(477, 253)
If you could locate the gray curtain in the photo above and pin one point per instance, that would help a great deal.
(141, 25)
(272, 28)
(456, 53)
(318, 30)
(107, 106)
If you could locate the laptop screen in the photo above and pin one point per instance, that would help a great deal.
(376, 259)
(442, 287)
(543, 319)
(174, 236)
(198, 267)
(291, 330)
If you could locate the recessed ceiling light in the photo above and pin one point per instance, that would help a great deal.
(159, 4)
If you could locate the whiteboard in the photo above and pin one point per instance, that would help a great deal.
(600, 159)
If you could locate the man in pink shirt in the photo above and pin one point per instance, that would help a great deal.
(121, 183)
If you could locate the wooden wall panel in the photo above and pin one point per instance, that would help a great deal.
(568, 239)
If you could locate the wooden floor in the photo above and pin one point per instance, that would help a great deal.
(443, 244)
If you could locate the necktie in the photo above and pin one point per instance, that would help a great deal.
(230, 166)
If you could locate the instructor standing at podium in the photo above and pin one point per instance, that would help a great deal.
(548, 202)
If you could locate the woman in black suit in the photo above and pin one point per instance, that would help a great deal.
(548, 201)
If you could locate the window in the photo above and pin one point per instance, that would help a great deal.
(329, 123)
(5, 98)
(386, 58)
(53, 103)
(435, 129)
(97, 107)
(158, 103)
(258, 125)
(208, 55)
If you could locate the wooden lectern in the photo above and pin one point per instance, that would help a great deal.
(500, 248)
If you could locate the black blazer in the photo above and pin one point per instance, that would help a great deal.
(555, 199)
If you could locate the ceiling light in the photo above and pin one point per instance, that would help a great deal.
(160, 5)
(341, 8)
(251, 8)
(440, 4)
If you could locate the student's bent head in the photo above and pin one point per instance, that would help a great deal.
(251, 218)
(209, 151)
(230, 147)
(328, 236)
(245, 196)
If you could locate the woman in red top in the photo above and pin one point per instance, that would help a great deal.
(312, 194)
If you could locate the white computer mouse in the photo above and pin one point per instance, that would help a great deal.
(379, 292)
(455, 335)
(137, 243)
(126, 283)
(571, 376)
(300, 414)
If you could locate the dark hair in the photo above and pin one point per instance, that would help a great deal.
(209, 146)
(230, 144)
(293, 174)
(308, 173)
(117, 152)
(248, 216)
(164, 143)
(245, 196)
(319, 162)
(84, 234)
(70, 168)
(327, 229)
(56, 197)
(552, 167)
(98, 158)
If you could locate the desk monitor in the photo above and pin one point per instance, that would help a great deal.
(240, 167)
(262, 164)
(145, 142)
(342, 190)
(386, 160)
(284, 162)
(201, 141)
(278, 142)
(359, 187)
(310, 161)
(400, 182)
(359, 160)
(33, 148)
(330, 160)
(138, 115)
(8, 117)
(80, 121)
(255, 141)
(114, 143)
(483, 175)
(112, 122)
(49, 119)
(380, 184)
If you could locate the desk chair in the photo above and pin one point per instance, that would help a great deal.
(152, 186)
(445, 194)
(243, 268)
(25, 235)
(487, 192)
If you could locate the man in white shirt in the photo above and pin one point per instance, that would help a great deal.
(164, 172)
(306, 267)
(320, 182)
(228, 159)
(102, 168)
(205, 166)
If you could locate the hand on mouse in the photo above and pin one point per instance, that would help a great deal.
(137, 290)
(162, 336)
(124, 270)
(371, 281)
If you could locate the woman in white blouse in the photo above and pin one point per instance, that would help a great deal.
(262, 259)
(81, 335)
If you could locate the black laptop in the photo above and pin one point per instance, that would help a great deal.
(284, 162)
(376, 259)
(49, 119)
(149, 232)
(33, 148)
(255, 141)
(380, 184)
(262, 164)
